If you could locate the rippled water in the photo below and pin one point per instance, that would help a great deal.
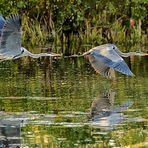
(64, 103)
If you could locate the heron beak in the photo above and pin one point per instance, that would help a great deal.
(142, 54)
(146, 54)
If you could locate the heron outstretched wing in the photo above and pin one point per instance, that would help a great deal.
(100, 67)
(11, 36)
(111, 59)
(2, 22)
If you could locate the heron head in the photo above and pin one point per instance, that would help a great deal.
(24, 52)
(112, 46)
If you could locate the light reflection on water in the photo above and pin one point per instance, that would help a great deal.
(66, 104)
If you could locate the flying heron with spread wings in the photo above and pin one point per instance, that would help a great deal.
(10, 40)
(107, 58)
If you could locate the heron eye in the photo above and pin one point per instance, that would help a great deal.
(113, 47)
(22, 51)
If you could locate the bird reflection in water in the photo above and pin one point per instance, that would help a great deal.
(104, 114)
(10, 134)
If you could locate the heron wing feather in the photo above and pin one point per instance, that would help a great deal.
(2, 22)
(100, 67)
(11, 36)
(114, 61)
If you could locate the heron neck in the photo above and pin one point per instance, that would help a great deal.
(39, 55)
(129, 53)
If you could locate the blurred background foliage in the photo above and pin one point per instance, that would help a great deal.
(68, 26)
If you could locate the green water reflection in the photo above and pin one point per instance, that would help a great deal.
(64, 103)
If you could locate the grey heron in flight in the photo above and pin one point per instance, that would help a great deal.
(10, 40)
(107, 58)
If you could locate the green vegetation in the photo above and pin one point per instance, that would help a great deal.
(73, 23)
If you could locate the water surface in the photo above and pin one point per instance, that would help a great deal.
(64, 103)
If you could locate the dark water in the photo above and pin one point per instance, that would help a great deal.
(64, 103)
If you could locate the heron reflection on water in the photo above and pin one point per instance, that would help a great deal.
(103, 112)
(10, 40)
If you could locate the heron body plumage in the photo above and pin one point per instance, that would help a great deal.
(100, 67)
(10, 40)
(113, 60)
(104, 59)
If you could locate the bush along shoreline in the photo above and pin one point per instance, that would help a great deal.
(71, 27)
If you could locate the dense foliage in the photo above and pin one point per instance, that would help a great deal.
(72, 23)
